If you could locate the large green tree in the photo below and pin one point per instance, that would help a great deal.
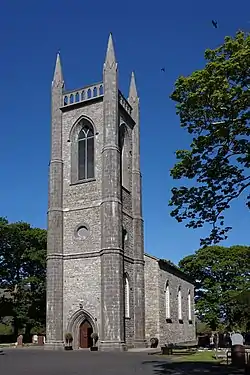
(214, 107)
(22, 274)
(222, 278)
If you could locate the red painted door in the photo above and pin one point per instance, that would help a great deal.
(85, 335)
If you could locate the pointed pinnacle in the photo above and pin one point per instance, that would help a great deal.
(110, 54)
(58, 76)
(132, 88)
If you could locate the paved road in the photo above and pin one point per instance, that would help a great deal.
(39, 362)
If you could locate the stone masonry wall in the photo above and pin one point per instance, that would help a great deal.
(126, 200)
(82, 285)
(88, 193)
(89, 217)
(174, 331)
(129, 322)
(127, 154)
(81, 204)
(151, 298)
(156, 323)
(127, 223)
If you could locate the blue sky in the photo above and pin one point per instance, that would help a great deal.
(166, 34)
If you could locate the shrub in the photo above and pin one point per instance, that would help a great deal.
(94, 336)
(68, 338)
(154, 342)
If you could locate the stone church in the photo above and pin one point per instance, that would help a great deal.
(98, 277)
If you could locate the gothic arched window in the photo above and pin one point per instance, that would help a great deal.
(86, 152)
(179, 304)
(127, 297)
(124, 148)
(167, 300)
(189, 306)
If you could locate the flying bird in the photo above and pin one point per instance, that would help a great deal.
(215, 24)
(163, 70)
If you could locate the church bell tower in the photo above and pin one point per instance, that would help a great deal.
(95, 251)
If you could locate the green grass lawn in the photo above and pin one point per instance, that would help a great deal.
(187, 356)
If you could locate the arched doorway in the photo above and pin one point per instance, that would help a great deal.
(76, 320)
(85, 330)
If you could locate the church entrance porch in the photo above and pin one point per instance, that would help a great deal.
(81, 325)
(85, 331)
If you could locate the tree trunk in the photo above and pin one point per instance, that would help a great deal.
(16, 327)
(27, 336)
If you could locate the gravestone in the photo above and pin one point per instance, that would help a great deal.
(40, 340)
(35, 339)
(20, 340)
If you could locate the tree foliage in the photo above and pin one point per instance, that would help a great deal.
(22, 274)
(222, 275)
(214, 106)
(244, 297)
(202, 328)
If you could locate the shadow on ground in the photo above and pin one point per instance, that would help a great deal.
(184, 353)
(191, 368)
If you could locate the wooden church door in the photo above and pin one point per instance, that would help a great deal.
(85, 335)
